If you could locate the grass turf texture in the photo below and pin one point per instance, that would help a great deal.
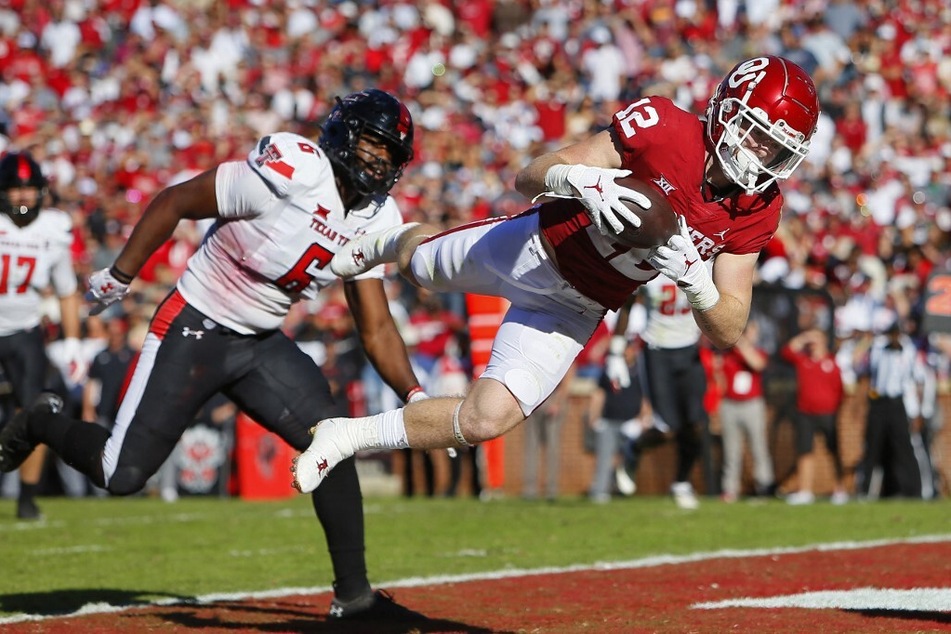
(136, 549)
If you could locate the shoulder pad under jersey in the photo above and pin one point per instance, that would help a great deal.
(289, 163)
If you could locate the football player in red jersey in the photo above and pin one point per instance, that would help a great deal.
(34, 253)
(560, 267)
(280, 217)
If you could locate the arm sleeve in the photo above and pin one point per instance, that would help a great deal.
(62, 273)
(63, 276)
(241, 193)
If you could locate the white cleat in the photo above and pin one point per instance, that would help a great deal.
(326, 451)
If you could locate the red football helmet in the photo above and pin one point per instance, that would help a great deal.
(760, 120)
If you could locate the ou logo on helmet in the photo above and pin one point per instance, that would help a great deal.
(752, 70)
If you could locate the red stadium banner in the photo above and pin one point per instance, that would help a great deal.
(485, 316)
(263, 462)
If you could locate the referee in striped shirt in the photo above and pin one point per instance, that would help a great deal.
(894, 373)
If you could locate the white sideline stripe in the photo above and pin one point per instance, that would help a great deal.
(917, 600)
(413, 582)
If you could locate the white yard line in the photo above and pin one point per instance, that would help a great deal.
(916, 600)
(646, 562)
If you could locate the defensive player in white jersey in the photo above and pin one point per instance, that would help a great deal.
(280, 217)
(676, 381)
(561, 268)
(34, 255)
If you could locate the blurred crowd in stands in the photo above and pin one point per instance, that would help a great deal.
(119, 98)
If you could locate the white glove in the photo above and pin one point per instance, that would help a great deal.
(599, 194)
(680, 261)
(615, 367)
(104, 290)
(75, 363)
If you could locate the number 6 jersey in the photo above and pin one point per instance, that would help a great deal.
(281, 220)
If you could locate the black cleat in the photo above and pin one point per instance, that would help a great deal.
(15, 442)
(28, 510)
(377, 605)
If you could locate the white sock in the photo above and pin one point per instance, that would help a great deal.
(382, 246)
(391, 430)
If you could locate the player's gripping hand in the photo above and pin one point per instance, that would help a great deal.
(680, 261)
(599, 194)
(615, 366)
(104, 290)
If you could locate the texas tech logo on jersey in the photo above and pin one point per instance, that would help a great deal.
(268, 153)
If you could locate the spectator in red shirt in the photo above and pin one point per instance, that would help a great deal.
(743, 412)
(852, 127)
(436, 326)
(819, 394)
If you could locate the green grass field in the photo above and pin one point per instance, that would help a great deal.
(148, 549)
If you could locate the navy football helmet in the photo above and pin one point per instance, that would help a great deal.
(18, 169)
(381, 119)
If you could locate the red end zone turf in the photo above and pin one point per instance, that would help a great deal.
(864, 586)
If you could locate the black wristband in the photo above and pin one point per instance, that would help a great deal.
(125, 278)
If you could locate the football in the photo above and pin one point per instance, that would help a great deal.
(658, 223)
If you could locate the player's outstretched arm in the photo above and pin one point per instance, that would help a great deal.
(379, 335)
(721, 299)
(587, 171)
(193, 199)
(733, 276)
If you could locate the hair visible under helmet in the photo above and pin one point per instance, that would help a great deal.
(376, 114)
(767, 102)
(18, 169)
